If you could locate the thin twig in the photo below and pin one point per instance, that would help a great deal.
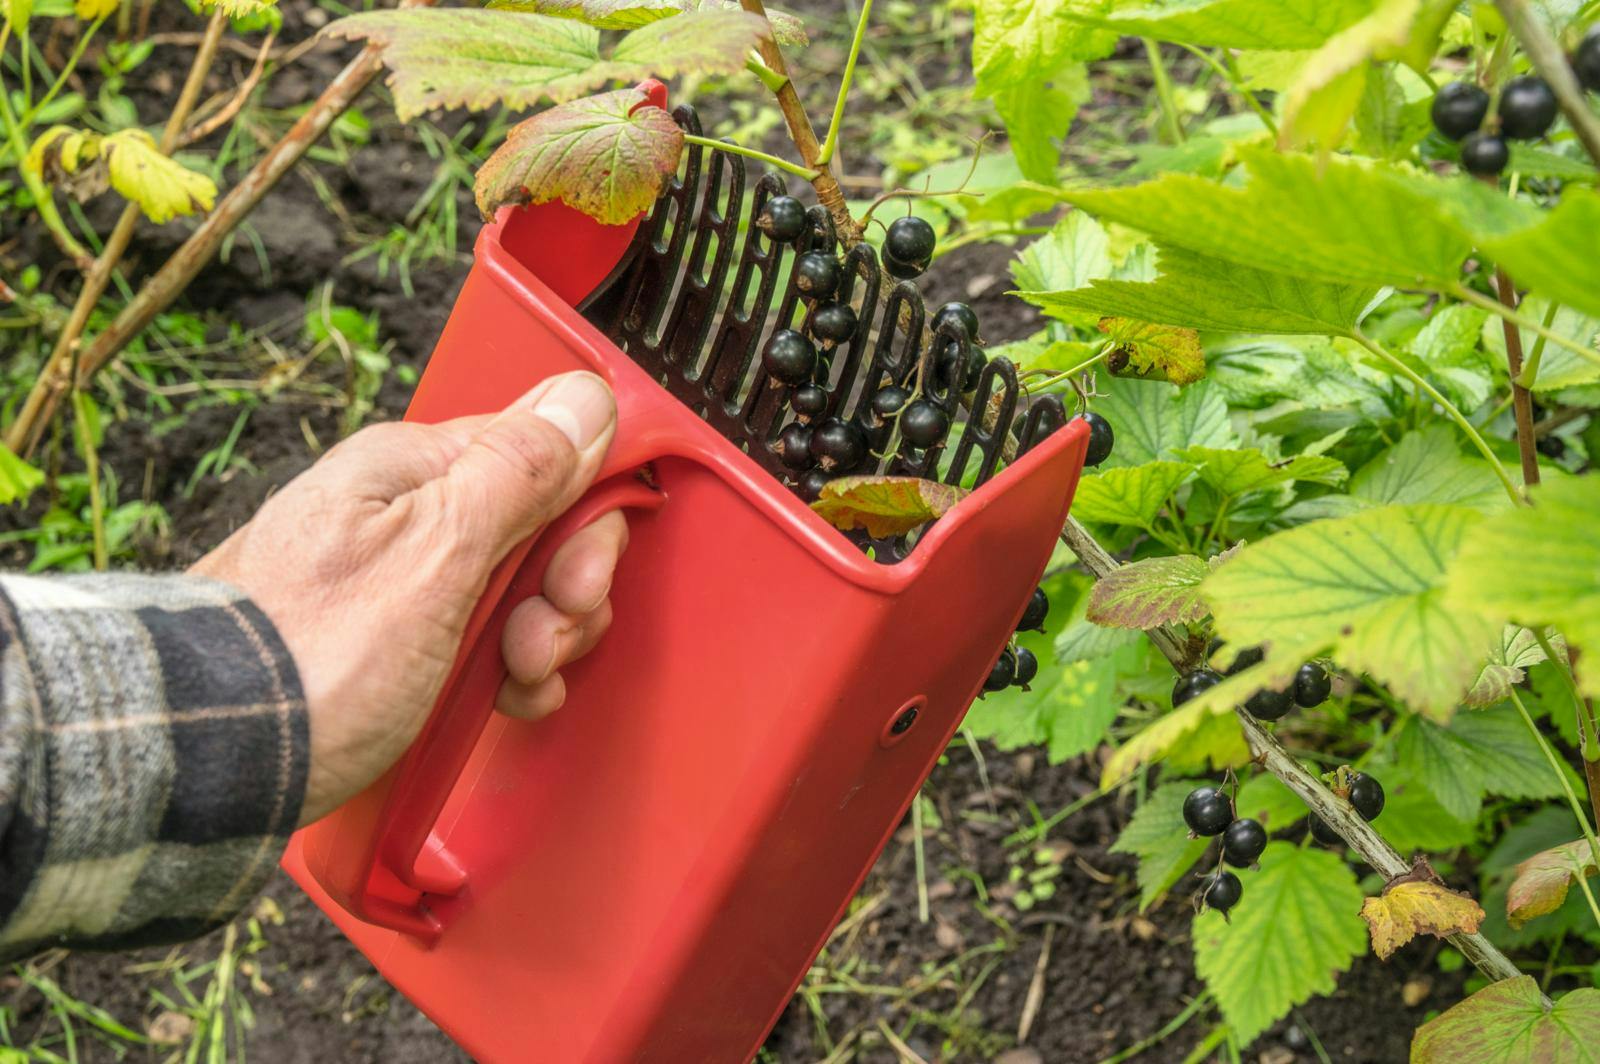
(201, 130)
(911, 193)
(1035, 996)
(1521, 398)
(1551, 63)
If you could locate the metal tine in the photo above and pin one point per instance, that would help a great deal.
(694, 311)
(1045, 415)
(658, 268)
(988, 443)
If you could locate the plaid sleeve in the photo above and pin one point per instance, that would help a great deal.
(153, 755)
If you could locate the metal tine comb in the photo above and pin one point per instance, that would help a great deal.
(696, 316)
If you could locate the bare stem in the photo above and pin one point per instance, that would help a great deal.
(1547, 58)
(1338, 814)
(1521, 398)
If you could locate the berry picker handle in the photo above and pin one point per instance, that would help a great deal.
(435, 761)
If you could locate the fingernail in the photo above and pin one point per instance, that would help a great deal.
(579, 404)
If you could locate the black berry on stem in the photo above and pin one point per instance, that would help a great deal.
(783, 218)
(1243, 842)
(1268, 704)
(1484, 154)
(1222, 891)
(816, 274)
(794, 446)
(1246, 658)
(957, 314)
(1312, 685)
(1003, 673)
(838, 445)
(923, 424)
(834, 322)
(808, 401)
(811, 484)
(1100, 439)
(789, 357)
(1038, 608)
(1323, 833)
(1586, 60)
(1551, 446)
(887, 403)
(1527, 108)
(1027, 667)
(905, 271)
(1207, 811)
(945, 366)
(909, 240)
(1366, 794)
(1193, 683)
(1458, 109)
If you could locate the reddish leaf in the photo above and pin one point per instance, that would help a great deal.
(885, 506)
(605, 155)
(1542, 881)
(1149, 593)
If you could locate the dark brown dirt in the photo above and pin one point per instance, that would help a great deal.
(1112, 977)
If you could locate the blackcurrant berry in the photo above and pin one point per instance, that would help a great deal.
(945, 366)
(783, 218)
(1268, 704)
(816, 274)
(887, 402)
(1551, 446)
(1027, 667)
(1366, 794)
(1243, 842)
(1527, 108)
(1246, 658)
(905, 271)
(834, 322)
(1207, 811)
(1458, 109)
(1323, 833)
(909, 240)
(790, 358)
(838, 445)
(957, 314)
(1191, 684)
(808, 401)
(1003, 673)
(1038, 609)
(1484, 154)
(1223, 891)
(794, 446)
(812, 481)
(1586, 60)
(1100, 439)
(923, 424)
(1312, 685)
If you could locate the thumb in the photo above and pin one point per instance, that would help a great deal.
(532, 461)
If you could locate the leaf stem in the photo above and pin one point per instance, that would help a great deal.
(1066, 375)
(830, 143)
(1530, 369)
(1450, 410)
(751, 153)
(1494, 306)
(1555, 766)
(1230, 74)
(43, 200)
(1163, 82)
(91, 464)
(1582, 880)
(769, 77)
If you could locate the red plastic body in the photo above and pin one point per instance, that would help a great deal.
(647, 874)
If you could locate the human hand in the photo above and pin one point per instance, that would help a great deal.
(370, 562)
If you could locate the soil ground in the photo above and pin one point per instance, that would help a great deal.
(1105, 977)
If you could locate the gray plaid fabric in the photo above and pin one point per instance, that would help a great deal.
(153, 755)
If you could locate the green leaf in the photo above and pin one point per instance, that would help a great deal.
(1484, 752)
(1428, 466)
(608, 156)
(885, 506)
(1068, 711)
(1299, 927)
(1235, 472)
(1154, 352)
(1554, 258)
(1539, 567)
(1517, 650)
(1083, 640)
(631, 14)
(1559, 368)
(476, 58)
(1508, 1023)
(1158, 837)
(1241, 23)
(1155, 420)
(17, 13)
(1202, 292)
(1371, 587)
(1264, 798)
(17, 478)
(1340, 220)
(1038, 113)
(1130, 495)
(1149, 593)
(162, 187)
(1412, 817)
(1071, 255)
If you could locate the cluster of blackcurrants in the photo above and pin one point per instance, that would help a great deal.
(1209, 812)
(1311, 686)
(820, 448)
(1017, 665)
(1526, 111)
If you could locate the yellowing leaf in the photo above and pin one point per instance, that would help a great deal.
(160, 185)
(1509, 1023)
(238, 8)
(885, 506)
(1151, 592)
(93, 9)
(1542, 881)
(60, 150)
(1154, 352)
(609, 156)
(1405, 910)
